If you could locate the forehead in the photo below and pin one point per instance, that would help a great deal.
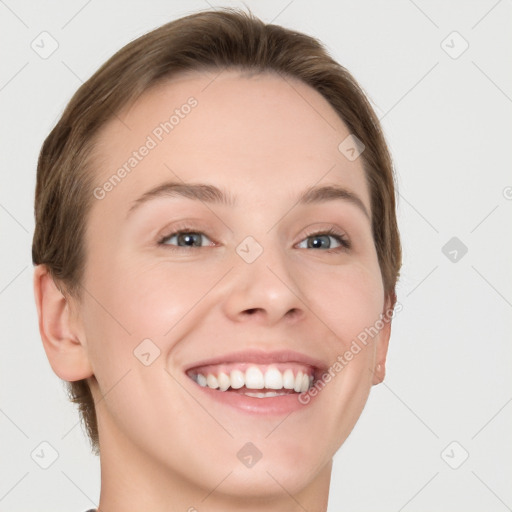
(264, 134)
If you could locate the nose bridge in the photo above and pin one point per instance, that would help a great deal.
(262, 281)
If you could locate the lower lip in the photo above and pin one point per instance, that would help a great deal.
(274, 405)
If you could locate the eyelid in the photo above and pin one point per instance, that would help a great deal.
(183, 226)
(176, 232)
(330, 230)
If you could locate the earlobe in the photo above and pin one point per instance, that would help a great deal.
(382, 344)
(66, 353)
(379, 372)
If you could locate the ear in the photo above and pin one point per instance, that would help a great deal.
(382, 340)
(60, 333)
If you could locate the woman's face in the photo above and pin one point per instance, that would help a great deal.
(257, 289)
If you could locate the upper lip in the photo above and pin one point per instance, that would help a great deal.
(261, 357)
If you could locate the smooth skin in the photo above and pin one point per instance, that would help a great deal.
(165, 446)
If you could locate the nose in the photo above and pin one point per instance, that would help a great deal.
(263, 291)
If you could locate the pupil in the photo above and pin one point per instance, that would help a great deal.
(322, 239)
(189, 239)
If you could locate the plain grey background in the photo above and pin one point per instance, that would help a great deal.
(436, 434)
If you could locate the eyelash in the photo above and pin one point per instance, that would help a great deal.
(341, 238)
(344, 242)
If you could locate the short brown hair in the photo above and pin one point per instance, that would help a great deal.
(227, 38)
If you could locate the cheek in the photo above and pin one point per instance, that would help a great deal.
(132, 302)
(159, 296)
(346, 299)
(146, 299)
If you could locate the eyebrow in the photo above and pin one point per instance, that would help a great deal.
(214, 195)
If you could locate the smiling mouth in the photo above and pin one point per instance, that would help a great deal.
(258, 381)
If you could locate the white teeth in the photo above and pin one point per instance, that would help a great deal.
(237, 379)
(253, 378)
(298, 382)
(212, 381)
(288, 379)
(273, 379)
(305, 383)
(224, 381)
